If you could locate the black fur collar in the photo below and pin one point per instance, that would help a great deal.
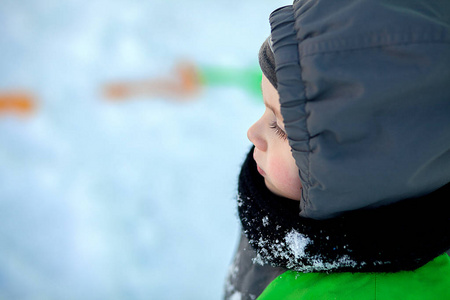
(401, 236)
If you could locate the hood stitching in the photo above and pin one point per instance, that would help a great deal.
(284, 34)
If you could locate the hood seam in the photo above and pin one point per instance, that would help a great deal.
(305, 92)
(369, 47)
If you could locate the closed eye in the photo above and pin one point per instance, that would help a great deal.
(278, 131)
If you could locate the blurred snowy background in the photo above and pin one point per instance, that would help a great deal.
(121, 200)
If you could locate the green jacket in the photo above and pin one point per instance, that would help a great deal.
(432, 281)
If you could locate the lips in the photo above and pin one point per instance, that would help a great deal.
(261, 171)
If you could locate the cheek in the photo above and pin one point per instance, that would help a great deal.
(286, 177)
(280, 171)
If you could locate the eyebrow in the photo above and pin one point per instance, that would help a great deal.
(275, 112)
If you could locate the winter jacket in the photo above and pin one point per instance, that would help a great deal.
(427, 282)
(248, 280)
(364, 90)
(380, 252)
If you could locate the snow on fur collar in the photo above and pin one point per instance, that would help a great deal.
(400, 236)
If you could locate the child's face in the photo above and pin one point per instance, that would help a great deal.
(272, 151)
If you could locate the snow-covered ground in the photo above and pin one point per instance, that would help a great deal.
(126, 200)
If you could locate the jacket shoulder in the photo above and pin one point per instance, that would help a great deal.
(432, 281)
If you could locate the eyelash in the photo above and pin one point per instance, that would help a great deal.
(278, 130)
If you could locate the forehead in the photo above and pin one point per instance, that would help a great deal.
(270, 96)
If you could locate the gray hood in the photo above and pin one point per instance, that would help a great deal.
(365, 94)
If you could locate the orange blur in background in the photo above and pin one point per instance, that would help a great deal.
(181, 85)
(17, 102)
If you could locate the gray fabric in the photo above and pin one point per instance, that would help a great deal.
(247, 280)
(267, 63)
(365, 94)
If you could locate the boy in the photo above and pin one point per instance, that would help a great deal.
(344, 195)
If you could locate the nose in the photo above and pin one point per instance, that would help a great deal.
(256, 136)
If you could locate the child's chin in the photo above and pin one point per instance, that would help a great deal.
(279, 193)
(272, 188)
